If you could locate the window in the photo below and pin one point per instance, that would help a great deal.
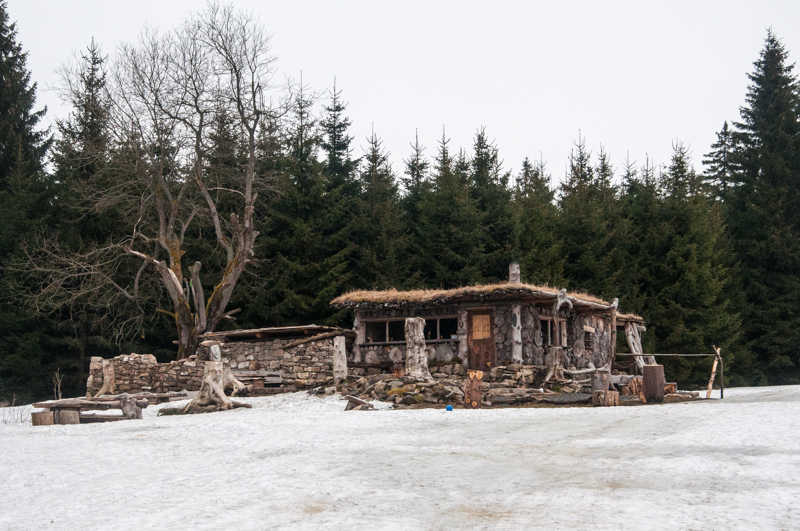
(436, 329)
(376, 332)
(443, 328)
(547, 336)
(448, 328)
(397, 330)
(481, 326)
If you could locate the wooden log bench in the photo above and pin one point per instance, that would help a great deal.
(72, 410)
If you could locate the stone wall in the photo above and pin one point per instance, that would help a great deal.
(302, 367)
(135, 373)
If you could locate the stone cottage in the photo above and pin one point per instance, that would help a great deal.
(480, 327)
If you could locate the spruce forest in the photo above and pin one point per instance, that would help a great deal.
(706, 248)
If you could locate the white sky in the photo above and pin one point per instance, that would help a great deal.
(632, 76)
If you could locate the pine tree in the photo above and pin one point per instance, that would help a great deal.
(541, 260)
(720, 162)
(587, 215)
(490, 190)
(29, 348)
(450, 228)
(381, 260)
(764, 213)
(417, 185)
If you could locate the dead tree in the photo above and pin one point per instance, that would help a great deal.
(166, 92)
(216, 377)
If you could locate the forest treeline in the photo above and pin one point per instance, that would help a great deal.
(706, 257)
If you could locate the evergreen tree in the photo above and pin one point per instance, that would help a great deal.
(29, 351)
(381, 258)
(492, 196)
(764, 213)
(417, 186)
(721, 168)
(339, 203)
(587, 214)
(541, 260)
(295, 237)
(451, 233)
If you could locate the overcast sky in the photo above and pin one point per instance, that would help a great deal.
(632, 76)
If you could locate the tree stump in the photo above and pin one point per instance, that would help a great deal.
(605, 398)
(42, 418)
(109, 379)
(653, 383)
(211, 396)
(554, 362)
(416, 355)
(66, 416)
(472, 389)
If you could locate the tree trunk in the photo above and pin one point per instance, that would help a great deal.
(416, 354)
(109, 379)
(653, 383)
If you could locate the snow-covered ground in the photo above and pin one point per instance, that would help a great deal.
(301, 462)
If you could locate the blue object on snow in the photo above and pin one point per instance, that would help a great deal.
(449, 408)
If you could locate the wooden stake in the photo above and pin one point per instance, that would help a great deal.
(713, 372)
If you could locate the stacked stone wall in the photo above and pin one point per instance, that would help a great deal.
(136, 373)
(302, 366)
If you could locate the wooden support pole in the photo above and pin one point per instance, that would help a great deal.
(713, 372)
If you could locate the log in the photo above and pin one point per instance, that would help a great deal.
(653, 383)
(109, 379)
(472, 389)
(605, 398)
(42, 418)
(67, 416)
(416, 355)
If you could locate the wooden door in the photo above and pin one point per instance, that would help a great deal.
(482, 352)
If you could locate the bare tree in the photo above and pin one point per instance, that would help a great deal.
(165, 91)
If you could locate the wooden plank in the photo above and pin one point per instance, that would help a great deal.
(42, 418)
(93, 419)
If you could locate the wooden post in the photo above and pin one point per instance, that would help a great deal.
(339, 360)
(653, 382)
(516, 333)
(416, 354)
(713, 372)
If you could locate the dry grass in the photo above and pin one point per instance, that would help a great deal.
(429, 295)
(629, 317)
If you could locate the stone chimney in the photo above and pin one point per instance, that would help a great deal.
(513, 272)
